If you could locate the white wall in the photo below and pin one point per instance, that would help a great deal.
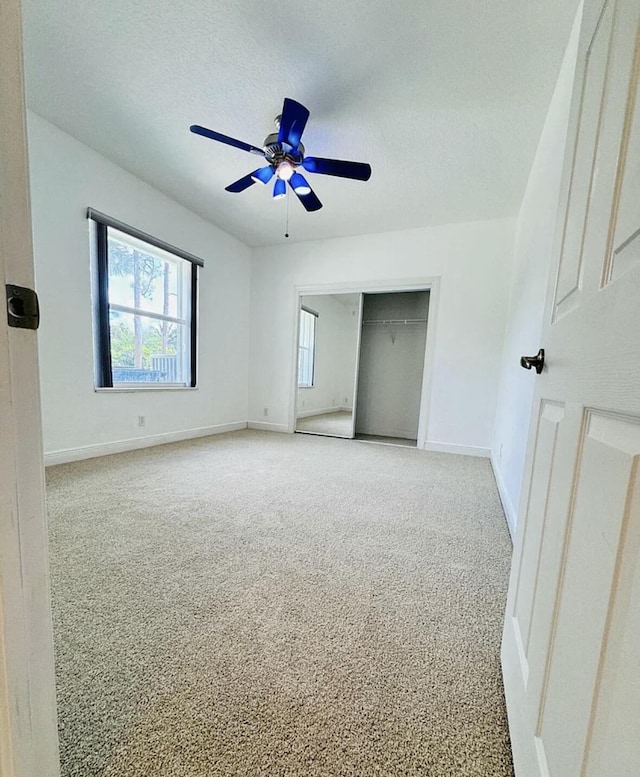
(532, 261)
(473, 262)
(66, 177)
(335, 364)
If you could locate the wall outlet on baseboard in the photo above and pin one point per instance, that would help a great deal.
(265, 411)
(141, 420)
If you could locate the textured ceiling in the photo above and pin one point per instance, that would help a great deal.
(444, 99)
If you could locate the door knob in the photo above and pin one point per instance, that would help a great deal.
(536, 362)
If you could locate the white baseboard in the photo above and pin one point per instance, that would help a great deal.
(67, 455)
(324, 411)
(262, 426)
(507, 505)
(464, 450)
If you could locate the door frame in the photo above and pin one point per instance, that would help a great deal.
(430, 284)
(28, 718)
(356, 375)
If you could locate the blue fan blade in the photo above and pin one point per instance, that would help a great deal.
(310, 201)
(279, 188)
(207, 133)
(292, 122)
(242, 183)
(264, 174)
(358, 171)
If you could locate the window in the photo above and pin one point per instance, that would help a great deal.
(306, 348)
(146, 305)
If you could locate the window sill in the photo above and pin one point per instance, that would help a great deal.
(137, 389)
(306, 387)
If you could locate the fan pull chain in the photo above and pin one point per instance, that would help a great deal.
(286, 234)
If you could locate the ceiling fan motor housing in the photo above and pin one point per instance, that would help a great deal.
(276, 152)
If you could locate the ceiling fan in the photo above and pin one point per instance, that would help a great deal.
(284, 154)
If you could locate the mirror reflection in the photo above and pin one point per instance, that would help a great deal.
(327, 361)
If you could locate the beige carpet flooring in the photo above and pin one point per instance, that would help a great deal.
(269, 605)
(337, 424)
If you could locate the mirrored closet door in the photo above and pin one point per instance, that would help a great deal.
(328, 347)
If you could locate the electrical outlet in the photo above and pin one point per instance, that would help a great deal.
(265, 411)
(346, 400)
(141, 420)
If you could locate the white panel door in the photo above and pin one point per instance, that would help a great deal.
(28, 731)
(571, 645)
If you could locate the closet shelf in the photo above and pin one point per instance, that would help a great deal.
(397, 321)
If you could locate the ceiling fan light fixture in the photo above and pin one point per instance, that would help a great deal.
(279, 189)
(300, 185)
(285, 170)
(263, 175)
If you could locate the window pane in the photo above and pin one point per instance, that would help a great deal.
(142, 278)
(306, 348)
(137, 288)
(303, 367)
(146, 350)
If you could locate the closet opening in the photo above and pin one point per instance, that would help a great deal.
(391, 366)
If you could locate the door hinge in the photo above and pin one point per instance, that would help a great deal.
(23, 310)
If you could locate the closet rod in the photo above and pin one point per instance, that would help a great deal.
(397, 321)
